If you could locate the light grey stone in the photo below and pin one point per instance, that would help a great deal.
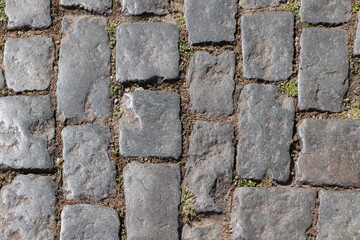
(96, 6)
(138, 7)
(205, 230)
(255, 4)
(356, 51)
(2, 80)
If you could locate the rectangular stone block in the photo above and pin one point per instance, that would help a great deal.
(95, 6)
(205, 230)
(255, 4)
(356, 51)
(138, 7)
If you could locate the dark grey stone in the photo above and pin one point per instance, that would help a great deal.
(211, 83)
(2, 80)
(255, 4)
(266, 124)
(96, 6)
(150, 124)
(272, 213)
(205, 230)
(27, 208)
(324, 69)
(83, 88)
(356, 51)
(210, 20)
(147, 50)
(152, 197)
(90, 222)
(27, 130)
(210, 165)
(138, 7)
(88, 172)
(28, 63)
(268, 45)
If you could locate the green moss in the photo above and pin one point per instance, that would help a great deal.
(290, 88)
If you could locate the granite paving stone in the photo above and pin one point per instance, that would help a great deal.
(138, 7)
(95, 6)
(205, 230)
(256, 4)
(356, 51)
(2, 80)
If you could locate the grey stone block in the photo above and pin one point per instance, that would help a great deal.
(205, 230)
(255, 4)
(150, 124)
(28, 63)
(266, 124)
(210, 165)
(210, 20)
(83, 89)
(27, 130)
(138, 7)
(147, 50)
(96, 6)
(152, 197)
(323, 70)
(27, 208)
(356, 51)
(90, 222)
(2, 80)
(268, 45)
(88, 172)
(272, 213)
(211, 83)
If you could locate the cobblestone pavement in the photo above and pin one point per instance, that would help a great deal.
(180, 119)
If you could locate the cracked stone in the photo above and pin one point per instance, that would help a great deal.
(208, 75)
(27, 208)
(28, 63)
(255, 4)
(205, 230)
(268, 45)
(83, 88)
(272, 213)
(96, 6)
(146, 51)
(210, 165)
(152, 198)
(88, 172)
(2, 80)
(323, 70)
(138, 7)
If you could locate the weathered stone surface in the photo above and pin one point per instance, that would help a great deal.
(27, 208)
(339, 215)
(152, 197)
(27, 130)
(324, 69)
(28, 63)
(265, 131)
(272, 213)
(88, 172)
(267, 45)
(205, 230)
(85, 221)
(325, 11)
(2, 80)
(210, 20)
(147, 50)
(83, 90)
(211, 83)
(356, 51)
(28, 14)
(330, 152)
(150, 124)
(254, 4)
(210, 165)
(96, 6)
(138, 7)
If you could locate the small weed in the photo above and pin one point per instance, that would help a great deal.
(123, 235)
(176, 10)
(354, 65)
(306, 25)
(294, 7)
(3, 17)
(186, 51)
(112, 35)
(143, 160)
(290, 88)
(241, 182)
(355, 7)
(117, 112)
(180, 20)
(188, 201)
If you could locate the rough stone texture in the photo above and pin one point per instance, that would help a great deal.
(2, 80)
(202, 231)
(210, 20)
(325, 11)
(88, 172)
(83, 90)
(272, 213)
(268, 45)
(266, 123)
(356, 51)
(255, 4)
(152, 198)
(210, 165)
(330, 152)
(146, 51)
(27, 130)
(28, 63)
(138, 7)
(27, 208)
(324, 69)
(339, 215)
(211, 83)
(28, 14)
(90, 222)
(96, 6)
(150, 124)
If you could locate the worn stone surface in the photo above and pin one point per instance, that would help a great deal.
(90, 222)
(210, 165)
(272, 213)
(27, 208)
(205, 230)
(324, 69)
(266, 124)
(146, 51)
(88, 172)
(27, 130)
(28, 63)
(83, 90)
(2, 80)
(138, 7)
(96, 6)
(267, 45)
(210, 20)
(255, 4)
(150, 124)
(356, 51)
(152, 198)
(211, 83)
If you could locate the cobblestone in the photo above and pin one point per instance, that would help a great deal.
(255, 4)
(138, 7)
(202, 231)
(96, 6)
(356, 51)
